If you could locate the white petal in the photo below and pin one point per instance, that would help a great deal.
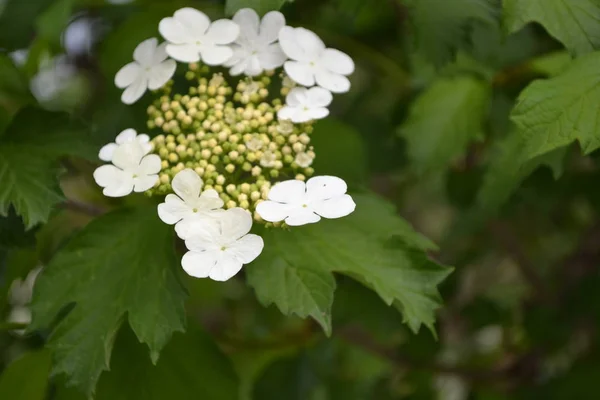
(289, 192)
(302, 216)
(196, 226)
(272, 211)
(238, 68)
(225, 269)
(106, 175)
(173, 210)
(337, 61)
(187, 184)
(301, 115)
(248, 21)
(209, 200)
(298, 96)
(222, 31)
(127, 75)
(247, 248)
(309, 41)
(290, 45)
(300, 72)
(195, 22)
(149, 165)
(142, 138)
(184, 52)
(199, 265)
(271, 25)
(286, 112)
(106, 152)
(316, 113)
(143, 183)
(215, 55)
(174, 31)
(272, 57)
(235, 223)
(116, 183)
(128, 135)
(253, 67)
(319, 97)
(325, 187)
(336, 207)
(128, 155)
(144, 52)
(335, 82)
(161, 73)
(239, 54)
(160, 54)
(135, 91)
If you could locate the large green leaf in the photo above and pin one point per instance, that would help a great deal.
(27, 377)
(260, 6)
(372, 245)
(554, 113)
(17, 19)
(122, 263)
(443, 120)
(576, 23)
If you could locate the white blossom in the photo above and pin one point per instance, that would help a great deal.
(128, 135)
(255, 143)
(285, 127)
(19, 297)
(303, 105)
(219, 251)
(268, 159)
(300, 203)
(192, 37)
(255, 49)
(311, 62)
(303, 160)
(54, 77)
(190, 206)
(150, 70)
(131, 170)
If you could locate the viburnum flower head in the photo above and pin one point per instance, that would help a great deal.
(311, 62)
(303, 105)
(220, 249)
(298, 203)
(131, 171)
(128, 135)
(192, 37)
(255, 49)
(150, 70)
(189, 207)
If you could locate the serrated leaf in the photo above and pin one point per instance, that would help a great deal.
(260, 6)
(27, 377)
(293, 289)
(122, 263)
(576, 23)
(373, 245)
(443, 120)
(554, 113)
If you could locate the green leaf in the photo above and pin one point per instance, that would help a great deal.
(260, 6)
(293, 289)
(576, 23)
(121, 263)
(443, 120)
(554, 113)
(27, 377)
(52, 22)
(29, 150)
(373, 245)
(17, 19)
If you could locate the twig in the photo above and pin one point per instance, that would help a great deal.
(84, 208)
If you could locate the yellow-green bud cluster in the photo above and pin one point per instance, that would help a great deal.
(231, 138)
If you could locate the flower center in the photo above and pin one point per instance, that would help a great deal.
(305, 108)
(195, 210)
(312, 64)
(135, 176)
(223, 248)
(304, 206)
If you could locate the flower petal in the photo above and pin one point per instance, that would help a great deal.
(247, 248)
(198, 264)
(238, 68)
(143, 183)
(302, 216)
(142, 138)
(253, 67)
(319, 97)
(336, 207)
(187, 185)
(287, 113)
(128, 135)
(235, 223)
(209, 200)
(160, 54)
(161, 73)
(337, 61)
(128, 155)
(215, 55)
(116, 183)
(106, 152)
(197, 227)
(316, 113)
(174, 31)
(225, 269)
(325, 187)
(248, 21)
(272, 211)
(270, 26)
(289, 192)
(223, 31)
(310, 42)
(331, 81)
(239, 55)
(149, 165)
(173, 210)
(300, 72)
(272, 57)
(135, 91)
(184, 52)
(194, 22)
(128, 75)
(290, 45)
(297, 97)
(144, 52)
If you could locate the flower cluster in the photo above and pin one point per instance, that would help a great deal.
(229, 150)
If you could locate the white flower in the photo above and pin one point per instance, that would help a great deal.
(192, 37)
(268, 159)
(150, 70)
(191, 206)
(255, 49)
(303, 105)
(303, 160)
(311, 62)
(219, 250)
(300, 203)
(132, 170)
(53, 79)
(285, 127)
(128, 135)
(255, 143)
